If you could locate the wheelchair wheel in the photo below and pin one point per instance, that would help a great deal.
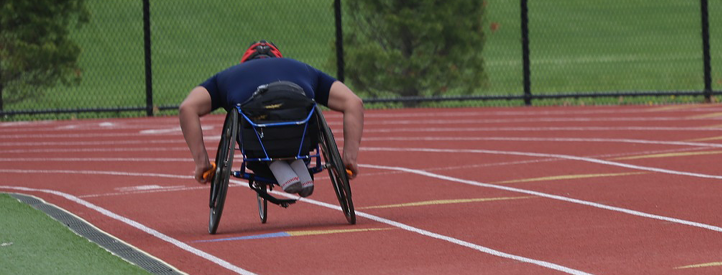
(224, 163)
(336, 169)
(262, 208)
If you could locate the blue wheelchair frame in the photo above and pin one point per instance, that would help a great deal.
(264, 181)
(243, 174)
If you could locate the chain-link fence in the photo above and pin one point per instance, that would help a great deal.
(627, 48)
(617, 52)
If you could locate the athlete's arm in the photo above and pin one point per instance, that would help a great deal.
(342, 99)
(196, 105)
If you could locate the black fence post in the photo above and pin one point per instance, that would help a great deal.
(525, 52)
(339, 41)
(705, 52)
(148, 67)
(1, 91)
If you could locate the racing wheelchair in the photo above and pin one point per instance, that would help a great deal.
(277, 123)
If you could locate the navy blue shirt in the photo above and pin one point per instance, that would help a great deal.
(236, 84)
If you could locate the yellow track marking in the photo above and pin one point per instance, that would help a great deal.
(676, 107)
(436, 202)
(699, 265)
(567, 177)
(322, 232)
(667, 155)
(705, 115)
(706, 139)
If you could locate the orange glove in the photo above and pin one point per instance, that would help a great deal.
(208, 175)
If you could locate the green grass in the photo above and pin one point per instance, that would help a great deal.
(615, 45)
(33, 243)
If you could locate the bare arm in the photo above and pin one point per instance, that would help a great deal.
(196, 105)
(342, 99)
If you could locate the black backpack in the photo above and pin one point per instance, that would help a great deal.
(278, 102)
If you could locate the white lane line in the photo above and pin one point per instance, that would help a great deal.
(536, 129)
(105, 173)
(550, 196)
(190, 160)
(45, 135)
(110, 126)
(162, 190)
(533, 139)
(592, 160)
(428, 174)
(89, 143)
(239, 270)
(701, 147)
(105, 127)
(26, 123)
(477, 118)
(371, 138)
(481, 184)
(70, 150)
(452, 240)
(525, 120)
(138, 226)
(372, 129)
(506, 112)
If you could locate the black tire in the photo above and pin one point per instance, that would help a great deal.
(262, 208)
(224, 164)
(336, 168)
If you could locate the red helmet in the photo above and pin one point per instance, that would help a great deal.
(261, 49)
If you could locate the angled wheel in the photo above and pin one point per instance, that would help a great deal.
(262, 208)
(336, 168)
(224, 163)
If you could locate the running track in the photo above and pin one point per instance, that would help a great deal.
(536, 190)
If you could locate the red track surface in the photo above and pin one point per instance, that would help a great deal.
(601, 190)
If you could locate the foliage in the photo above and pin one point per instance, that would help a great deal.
(35, 51)
(415, 48)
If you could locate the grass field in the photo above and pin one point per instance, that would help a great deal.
(191, 41)
(615, 45)
(605, 46)
(33, 243)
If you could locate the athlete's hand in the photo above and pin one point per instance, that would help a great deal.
(351, 168)
(204, 173)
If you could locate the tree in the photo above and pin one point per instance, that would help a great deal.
(35, 51)
(415, 48)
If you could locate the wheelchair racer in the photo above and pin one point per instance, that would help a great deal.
(263, 63)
